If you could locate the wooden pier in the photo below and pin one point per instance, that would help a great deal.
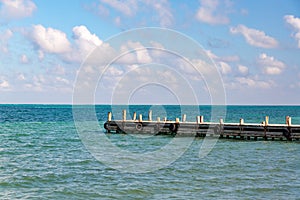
(199, 128)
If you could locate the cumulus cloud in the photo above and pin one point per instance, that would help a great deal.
(231, 58)
(16, 9)
(130, 8)
(4, 37)
(134, 52)
(295, 23)
(225, 68)
(270, 65)
(84, 43)
(4, 84)
(162, 7)
(209, 12)
(254, 82)
(255, 37)
(243, 69)
(50, 40)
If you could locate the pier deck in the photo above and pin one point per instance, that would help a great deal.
(199, 128)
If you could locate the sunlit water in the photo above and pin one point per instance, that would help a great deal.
(42, 157)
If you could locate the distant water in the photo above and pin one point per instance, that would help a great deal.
(42, 157)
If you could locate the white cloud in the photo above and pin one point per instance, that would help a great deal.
(57, 70)
(243, 69)
(84, 43)
(255, 37)
(128, 7)
(21, 77)
(4, 37)
(270, 65)
(113, 71)
(233, 58)
(209, 12)
(16, 9)
(295, 23)
(4, 84)
(50, 40)
(135, 52)
(225, 68)
(81, 33)
(162, 7)
(24, 59)
(253, 83)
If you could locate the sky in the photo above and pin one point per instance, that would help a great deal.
(255, 46)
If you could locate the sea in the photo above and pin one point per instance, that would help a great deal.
(42, 156)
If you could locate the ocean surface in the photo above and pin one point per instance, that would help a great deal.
(43, 157)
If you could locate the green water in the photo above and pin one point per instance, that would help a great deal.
(42, 157)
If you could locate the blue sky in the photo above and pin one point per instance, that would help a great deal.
(254, 44)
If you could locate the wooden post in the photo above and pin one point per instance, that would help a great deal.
(134, 116)
(221, 121)
(158, 119)
(183, 118)
(165, 119)
(124, 115)
(267, 120)
(177, 120)
(109, 116)
(198, 119)
(201, 119)
(241, 121)
(140, 118)
(150, 115)
(288, 120)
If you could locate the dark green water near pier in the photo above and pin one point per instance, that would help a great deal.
(42, 157)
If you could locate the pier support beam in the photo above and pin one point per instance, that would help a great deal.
(266, 120)
(124, 115)
(288, 120)
(140, 118)
(241, 121)
(201, 119)
(109, 116)
(134, 116)
(183, 118)
(221, 121)
(150, 115)
(198, 119)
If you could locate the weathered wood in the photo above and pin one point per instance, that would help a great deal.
(201, 119)
(150, 115)
(240, 130)
(134, 116)
(109, 116)
(183, 118)
(124, 115)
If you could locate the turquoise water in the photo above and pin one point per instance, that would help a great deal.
(42, 157)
